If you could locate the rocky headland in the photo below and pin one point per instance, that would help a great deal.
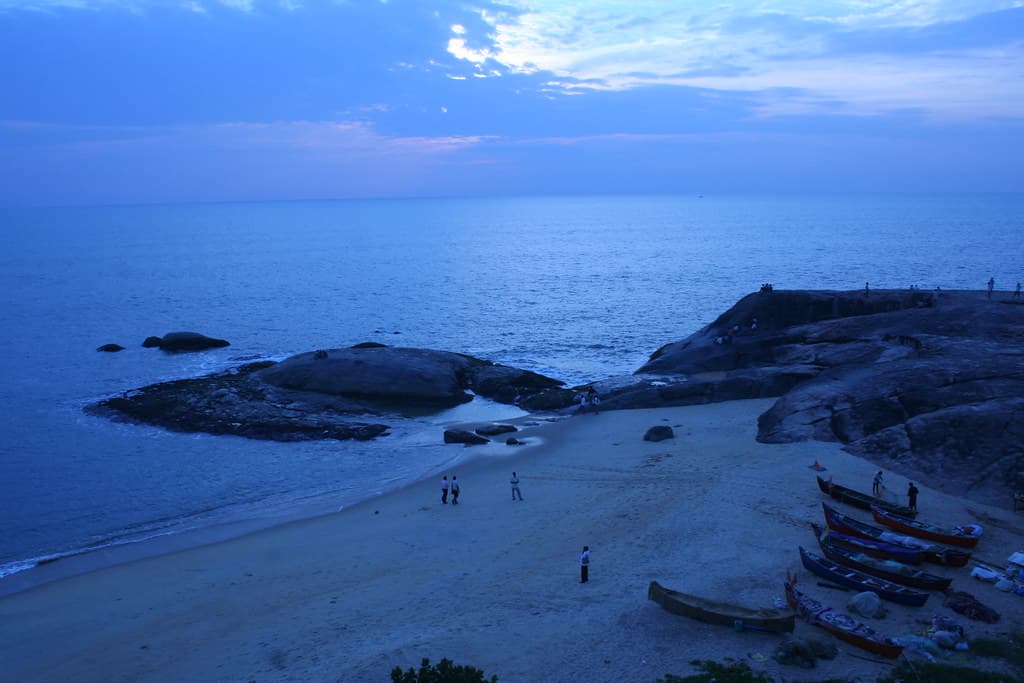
(929, 384)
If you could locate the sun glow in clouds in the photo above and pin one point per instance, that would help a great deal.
(763, 47)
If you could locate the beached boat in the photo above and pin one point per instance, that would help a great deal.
(861, 581)
(877, 549)
(713, 612)
(962, 536)
(841, 625)
(890, 570)
(932, 552)
(861, 500)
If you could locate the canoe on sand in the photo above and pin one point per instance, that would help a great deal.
(714, 612)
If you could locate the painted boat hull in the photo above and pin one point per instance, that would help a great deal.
(840, 625)
(860, 499)
(713, 612)
(937, 554)
(858, 580)
(877, 549)
(913, 527)
(890, 570)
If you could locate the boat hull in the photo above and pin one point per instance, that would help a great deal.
(878, 549)
(912, 527)
(884, 568)
(860, 499)
(713, 612)
(953, 557)
(852, 578)
(840, 625)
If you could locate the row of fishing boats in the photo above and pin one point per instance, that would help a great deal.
(856, 555)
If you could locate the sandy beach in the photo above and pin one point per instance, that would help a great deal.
(495, 583)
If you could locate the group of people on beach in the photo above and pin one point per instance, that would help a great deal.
(912, 491)
(453, 488)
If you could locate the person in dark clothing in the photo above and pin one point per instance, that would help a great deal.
(912, 496)
(444, 490)
(585, 564)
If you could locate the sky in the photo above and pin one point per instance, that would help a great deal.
(153, 101)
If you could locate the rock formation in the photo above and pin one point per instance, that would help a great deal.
(324, 394)
(177, 342)
(930, 384)
(110, 348)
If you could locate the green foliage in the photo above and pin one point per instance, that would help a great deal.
(443, 672)
(1011, 649)
(715, 672)
(926, 672)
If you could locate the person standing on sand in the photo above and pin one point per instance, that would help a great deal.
(515, 487)
(455, 490)
(876, 485)
(1016, 292)
(444, 490)
(912, 496)
(991, 286)
(595, 400)
(585, 564)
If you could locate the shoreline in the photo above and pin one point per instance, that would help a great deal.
(495, 583)
(58, 566)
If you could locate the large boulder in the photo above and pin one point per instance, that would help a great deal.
(659, 433)
(464, 437)
(177, 342)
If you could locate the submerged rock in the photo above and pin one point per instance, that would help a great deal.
(110, 348)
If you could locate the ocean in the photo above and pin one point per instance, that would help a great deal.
(578, 288)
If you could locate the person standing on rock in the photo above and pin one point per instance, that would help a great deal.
(585, 564)
(912, 496)
(515, 486)
(455, 490)
(876, 485)
(444, 490)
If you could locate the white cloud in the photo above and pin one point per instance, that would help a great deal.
(619, 45)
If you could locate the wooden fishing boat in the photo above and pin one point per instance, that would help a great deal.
(841, 625)
(962, 536)
(932, 552)
(890, 570)
(712, 612)
(861, 500)
(858, 580)
(877, 549)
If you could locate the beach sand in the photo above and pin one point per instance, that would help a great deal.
(495, 583)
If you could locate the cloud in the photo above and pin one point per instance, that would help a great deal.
(846, 56)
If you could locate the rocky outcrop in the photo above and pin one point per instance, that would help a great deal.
(496, 429)
(464, 437)
(659, 433)
(110, 348)
(324, 394)
(930, 384)
(178, 342)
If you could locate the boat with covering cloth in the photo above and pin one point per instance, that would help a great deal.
(858, 580)
(932, 552)
(861, 500)
(965, 536)
(878, 549)
(890, 570)
(713, 612)
(841, 625)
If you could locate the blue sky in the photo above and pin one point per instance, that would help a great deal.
(128, 101)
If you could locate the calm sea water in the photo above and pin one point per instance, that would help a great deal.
(579, 288)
